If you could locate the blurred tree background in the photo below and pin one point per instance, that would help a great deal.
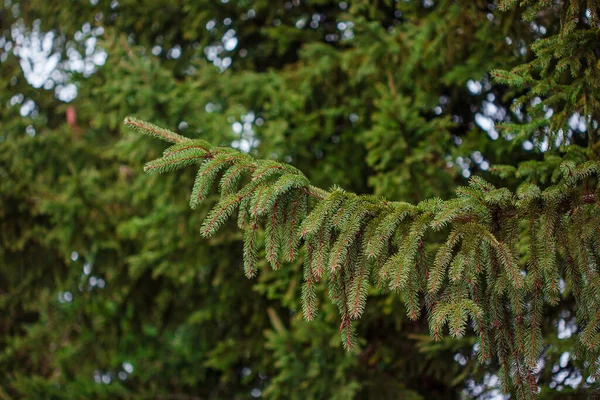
(107, 290)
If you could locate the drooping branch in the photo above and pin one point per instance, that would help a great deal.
(500, 262)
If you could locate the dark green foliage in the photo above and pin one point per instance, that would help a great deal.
(506, 255)
(386, 98)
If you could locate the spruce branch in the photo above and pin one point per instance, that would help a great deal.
(487, 261)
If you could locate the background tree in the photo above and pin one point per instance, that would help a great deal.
(108, 287)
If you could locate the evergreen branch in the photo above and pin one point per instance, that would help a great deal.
(175, 161)
(501, 286)
(153, 130)
(272, 238)
(187, 145)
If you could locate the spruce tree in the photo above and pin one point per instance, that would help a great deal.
(489, 260)
(102, 273)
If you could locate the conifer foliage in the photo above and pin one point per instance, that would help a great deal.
(496, 270)
(489, 260)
